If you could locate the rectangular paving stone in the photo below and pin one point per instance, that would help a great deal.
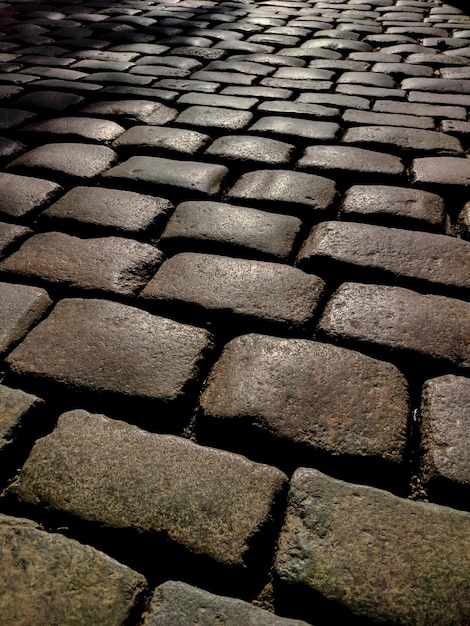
(445, 413)
(251, 150)
(366, 118)
(110, 264)
(48, 578)
(114, 349)
(200, 178)
(100, 209)
(79, 160)
(216, 227)
(400, 320)
(21, 307)
(16, 407)
(175, 603)
(415, 108)
(136, 110)
(293, 128)
(21, 195)
(403, 139)
(162, 138)
(381, 557)
(393, 205)
(120, 476)
(284, 386)
(437, 85)
(214, 117)
(352, 249)
(249, 290)
(439, 173)
(286, 191)
(350, 161)
(304, 110)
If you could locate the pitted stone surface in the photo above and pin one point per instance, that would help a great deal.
(122, 212)
(352, 248)
(284, 386)
(244, 148)
(400, 319)
(212, 225)
(107, 471)
(176, 603)
(83, 128)
(297, 190)
(445, 411)
(142, 111)
(15, 406)
(202, 178)
(250, 289)
(20, 195)
(21, 307)
(47, 578)
(162, 138)
(339, 539)
(435, 172)
(111, 264)
(115, 348)
(65, 159)
(379, 203)
(348, 160)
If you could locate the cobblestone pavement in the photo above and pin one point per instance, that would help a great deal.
(234, 312)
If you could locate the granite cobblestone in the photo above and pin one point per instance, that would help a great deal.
(173, 176)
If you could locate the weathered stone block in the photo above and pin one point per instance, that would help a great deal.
(107, 471)
(382, 557)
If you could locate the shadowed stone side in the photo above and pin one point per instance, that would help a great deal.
(382, 557)
(46, 578)
(123, 477)
(178, 604)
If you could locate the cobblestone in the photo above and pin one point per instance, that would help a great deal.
(152, 490)
(375, 534)
(64, 581)
(174, 175)
(399, 319)
(107, 263)
(276, 293)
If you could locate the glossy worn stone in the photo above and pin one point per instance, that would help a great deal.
(392, 205)
(21, 307)
(398, 319)
(351, 161)
(106, 263)
(114, 348)
(141, 111)
(202, 178)
(175, 603)
(295, 129)
(438, 172)
(162, 138)
(121, 212)
(107, 471)
(350, 248)
(48, 578)
(20, 195)
(65, 159)
(214, 117)
(284, 386)
(249, 289)
(290, 191)
(215, 226)
(414, 140)
(245, 148)
(382, 557)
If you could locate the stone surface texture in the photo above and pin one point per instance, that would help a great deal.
(340, 538)
(121, 476)
(242, 224)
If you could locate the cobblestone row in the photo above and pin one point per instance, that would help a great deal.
(234, 312)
